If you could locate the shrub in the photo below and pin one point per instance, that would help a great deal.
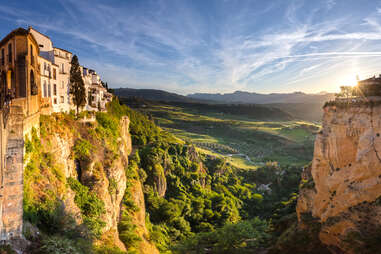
(58, 245)
(82, 149)
(91, 206)
(7, 249)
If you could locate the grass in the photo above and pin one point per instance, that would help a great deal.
(288, 142)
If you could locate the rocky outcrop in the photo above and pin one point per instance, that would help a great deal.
(139, 219)
(103, 171)
(342, 188)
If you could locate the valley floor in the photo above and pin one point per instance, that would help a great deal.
(244, 142)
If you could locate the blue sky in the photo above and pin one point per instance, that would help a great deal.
(212, 46)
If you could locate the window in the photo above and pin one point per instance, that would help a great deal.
(54, 73)
(55, 100)
(31, 55)
(55, 90)
(44, 66)
(62, 99)
(49, 93)
(63, 68)
(45, 91)
(10, 53)
(2, 57)
(33, 85)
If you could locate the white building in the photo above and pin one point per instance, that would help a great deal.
(97, 95)
(55, 65)
(55, 73)
(62, 58)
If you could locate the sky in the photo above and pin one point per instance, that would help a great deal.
(191, 46)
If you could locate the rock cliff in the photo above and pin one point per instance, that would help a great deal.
(73, 150)
(341, 191)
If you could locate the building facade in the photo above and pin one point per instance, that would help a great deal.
(62, 58)
(54, 66)
(20, 101)
(370, 87)
(97, 95)
(34, 79)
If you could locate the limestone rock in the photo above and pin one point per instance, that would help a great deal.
(346, 178)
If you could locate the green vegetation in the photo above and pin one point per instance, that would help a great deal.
(77, 86)
(197, 198)
(241, 237)
(127, 229)
(7, 249)
(46, 187)
(287, 142)
(91, 207)
(82, 149)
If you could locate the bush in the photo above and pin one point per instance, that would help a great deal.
(58, 245)
(82, 149)
(228, 239)
(7, 249)
(91, 206)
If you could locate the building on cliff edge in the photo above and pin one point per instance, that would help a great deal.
(20, 107)
(370, 86)
(34, 80)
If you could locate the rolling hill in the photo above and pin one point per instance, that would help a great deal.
(257, 98)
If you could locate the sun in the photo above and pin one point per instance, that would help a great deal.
(350, 80)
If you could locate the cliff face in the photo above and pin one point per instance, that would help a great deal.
(342, 188)
(102, 171)
(139, 219)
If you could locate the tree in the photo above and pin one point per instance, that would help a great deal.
(346, 92)
(77, 86)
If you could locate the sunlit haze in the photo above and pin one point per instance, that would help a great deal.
(213, 46)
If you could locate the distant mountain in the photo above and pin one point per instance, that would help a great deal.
(251, 111)
(152, 94)
(302, 111)
(298, 105)
(246, 97)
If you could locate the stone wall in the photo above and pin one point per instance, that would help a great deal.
(12, 135)
(12, 175)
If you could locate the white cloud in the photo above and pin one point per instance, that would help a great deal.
(172, 45)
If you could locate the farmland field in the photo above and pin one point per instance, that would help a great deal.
(244, 142)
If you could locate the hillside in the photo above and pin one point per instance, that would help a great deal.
(280, 106)
(238, 133)
(302, 111)
(151, 94)
(246, 97)
(249, 111)
(114, 183)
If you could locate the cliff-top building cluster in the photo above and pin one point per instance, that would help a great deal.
(34, 80)
(370, 86)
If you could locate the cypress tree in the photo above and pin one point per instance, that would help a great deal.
(77, 86)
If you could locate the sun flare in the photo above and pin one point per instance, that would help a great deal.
(349, 81)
